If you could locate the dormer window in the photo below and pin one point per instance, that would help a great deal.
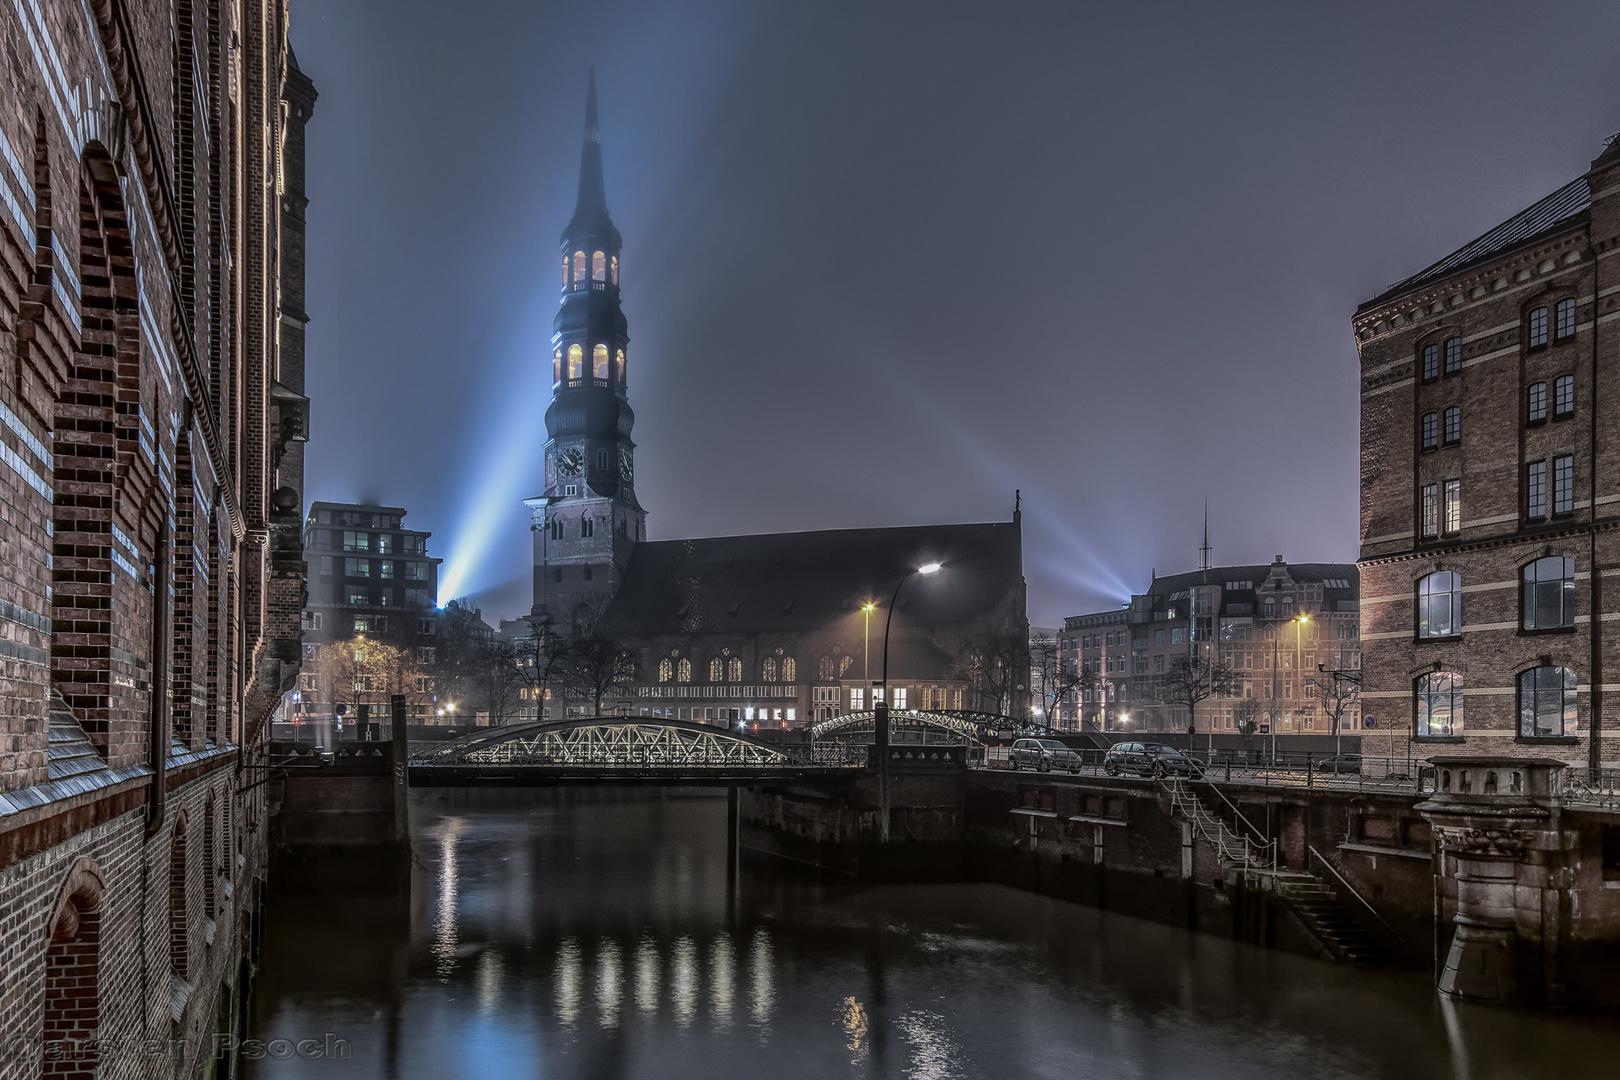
(1538, 328)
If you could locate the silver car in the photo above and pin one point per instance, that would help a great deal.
(1042, 755)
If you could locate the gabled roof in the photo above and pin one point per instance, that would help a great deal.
(1564, 209)
(805, 581)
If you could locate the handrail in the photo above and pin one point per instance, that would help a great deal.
(1325, 861)
(1264, 839)
(1216, 831)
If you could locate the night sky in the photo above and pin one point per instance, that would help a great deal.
(886, 262)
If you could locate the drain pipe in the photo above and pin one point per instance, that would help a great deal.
(158, 725)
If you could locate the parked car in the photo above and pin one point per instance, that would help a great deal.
(1340, 763)
(1151, 759)
(1043, 755)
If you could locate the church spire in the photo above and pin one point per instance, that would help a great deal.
(591, 221)
(1203, 552)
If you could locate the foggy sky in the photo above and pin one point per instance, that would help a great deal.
(886, 262)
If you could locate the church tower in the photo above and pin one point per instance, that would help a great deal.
(588, 520)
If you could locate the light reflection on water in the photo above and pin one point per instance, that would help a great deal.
(569, 935)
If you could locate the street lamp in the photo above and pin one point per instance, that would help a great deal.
(881, 717)
(866, 649)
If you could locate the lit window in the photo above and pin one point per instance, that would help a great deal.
(386, 568)
(565, 269)
(614, 264)
(1440, 605)
(825, 670)
(359, 597)
(1537, 411)
(599, 362)
(1564, 320)
(556, 366)
(1564, 485)
(576, 362)
(1453, 355)
(790, 669)
(1431, 362)
(1453, 522)
(1549, 594)
(857, 699)
(623, 378)
(1453, 425)
(356, 567)
(356, 541)
(734, 670)
(1431, 430)
(768, 669)
(1547, 703)
(1564, 396)
(1439, 705)
(1430, 510)
(899, 697)
(717, 672)
(1535, 490)
(1538, 328)
(598, 266)
(666, 670)
(579, 266)
(683, 670)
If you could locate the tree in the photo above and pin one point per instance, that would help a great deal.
(498, 679)
(596, 661)
(1247, 716)
(541, 656)
(995, 667)
(363, 672)
(1190, 680)
(1054, 681)
(1338, 691)
(458, 653)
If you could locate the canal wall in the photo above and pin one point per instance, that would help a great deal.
(339, 821)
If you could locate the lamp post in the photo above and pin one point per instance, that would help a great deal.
(881, 707)
(866, 649)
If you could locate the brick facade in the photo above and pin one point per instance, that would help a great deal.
(1517, 333)
(150, 567)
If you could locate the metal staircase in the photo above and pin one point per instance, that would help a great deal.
(1309, 898)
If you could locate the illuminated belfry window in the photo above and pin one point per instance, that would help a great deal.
(576, 362)
(579, 266)
(598, 266)
(599, 362)
(622, 379)
(565, 270)
(556, 366)
(614, 262)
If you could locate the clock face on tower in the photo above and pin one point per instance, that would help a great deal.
(626, 469)
(571, 462)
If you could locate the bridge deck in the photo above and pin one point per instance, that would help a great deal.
(630, 775)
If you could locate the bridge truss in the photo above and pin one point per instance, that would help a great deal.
(962, 724)
(613, 742)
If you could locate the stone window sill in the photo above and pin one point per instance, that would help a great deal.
(1437, 738)
(1547, 740)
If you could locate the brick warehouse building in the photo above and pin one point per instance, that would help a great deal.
(151, 406)
(1490, 478)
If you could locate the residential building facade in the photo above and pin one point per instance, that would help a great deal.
(1489, 485)
(151, 572)
(1281, 629)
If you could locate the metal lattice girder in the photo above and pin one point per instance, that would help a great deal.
(967, 725)
(609, 742)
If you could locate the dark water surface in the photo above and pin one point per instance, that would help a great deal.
(598, 935)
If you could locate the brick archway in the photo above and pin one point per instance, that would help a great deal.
(72, 1005)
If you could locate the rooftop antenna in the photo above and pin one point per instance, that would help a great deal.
(1203, 552)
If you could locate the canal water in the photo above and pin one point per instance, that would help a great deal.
(600, 935)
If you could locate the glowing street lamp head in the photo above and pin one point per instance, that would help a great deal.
(929, 568)
(870, 605)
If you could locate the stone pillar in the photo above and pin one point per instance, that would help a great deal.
(1497, 823)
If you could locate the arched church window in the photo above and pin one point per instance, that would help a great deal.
(621, 367)
(843, 664)
(599, 362)
(666, 670)
(826, 671)
(768, 669)
(615, 265)
(598, 266)
(717, 670)
(576, 362)
(734, 670)
(790, 669)
(579, 266)
(556, 366)
(683, 670)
